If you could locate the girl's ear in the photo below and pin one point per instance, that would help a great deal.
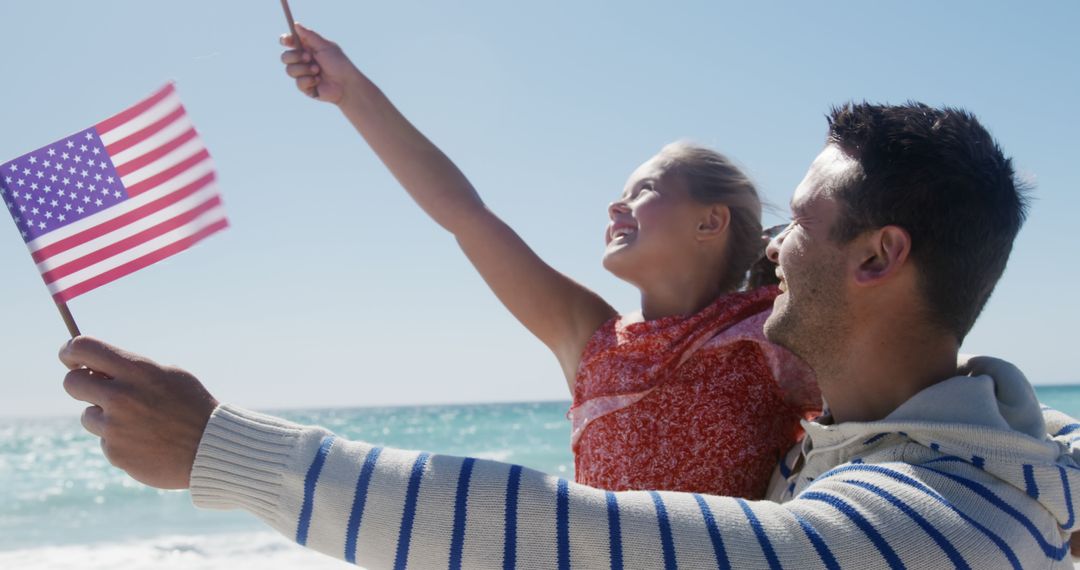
(714, 222)
(881, 254)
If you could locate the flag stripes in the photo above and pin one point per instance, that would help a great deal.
(167, 198)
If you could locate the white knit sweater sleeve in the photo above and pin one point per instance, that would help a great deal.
(388, 508)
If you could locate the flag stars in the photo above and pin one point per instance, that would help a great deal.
(58, 166)
(92, 188)
(54, 203)
(110, 180)
(21, 182)
(116, 194)
(85, 148)
(62, 218)
(78, 159)
(67, 181)
(48, 189)
(39, 174)
(34, 211)
(95, 150)
(65, 156)
(47, 163)
(79, 210)
(62, 193)
(71, 170)
(33, 186)
(52, 152)
(26, 172)
(41, 200)
(86, 199)
(13, 168)
(67, 207)
(41, 226)
(33, 160)
(53, 178)
(79, 185)
(97, 178)
(101, 164)
(89, 137)
(98, 202)
(84, 173)
(48, 215)
(70, 144)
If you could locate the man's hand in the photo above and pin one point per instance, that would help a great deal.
(150, 418)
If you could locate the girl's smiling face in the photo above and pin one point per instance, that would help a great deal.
(652, 224)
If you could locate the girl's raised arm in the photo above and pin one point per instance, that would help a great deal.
(560, 312)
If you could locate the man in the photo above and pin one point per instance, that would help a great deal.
(901, 229)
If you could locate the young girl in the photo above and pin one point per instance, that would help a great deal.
(684, 395)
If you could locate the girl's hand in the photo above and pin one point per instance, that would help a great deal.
(318, 65)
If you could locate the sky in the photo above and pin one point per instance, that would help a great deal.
(331, 288)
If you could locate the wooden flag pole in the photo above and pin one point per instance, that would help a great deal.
(292, 30)
(68, 319)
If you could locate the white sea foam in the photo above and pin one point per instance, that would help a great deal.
(237, 551)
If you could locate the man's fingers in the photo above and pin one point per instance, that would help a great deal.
(87, 386)
(93, 420)
(89, 352)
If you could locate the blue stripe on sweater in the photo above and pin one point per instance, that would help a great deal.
(819, 543)
(665, 531)
(1068, 498)
(359, 500)
(510, 524)
(909, 481)
(1067, 429)
(784, 469)
(562, 523)
(1051, 551)
(759, 531)
(614, 531)
(714, 533)
(875, 438)
(1029, 482)
(860, 521)
(310, 481)
(411, 494)
(950, 550)
(457, 537)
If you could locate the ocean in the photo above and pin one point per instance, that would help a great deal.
(63, 506)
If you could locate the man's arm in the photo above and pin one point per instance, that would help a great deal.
(388, 508)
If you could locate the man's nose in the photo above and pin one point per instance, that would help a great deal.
(772, 251)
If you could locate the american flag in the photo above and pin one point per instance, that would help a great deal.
(114, 198)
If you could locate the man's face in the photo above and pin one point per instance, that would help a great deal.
(811, 316)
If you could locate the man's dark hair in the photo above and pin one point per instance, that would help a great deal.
(938, 174)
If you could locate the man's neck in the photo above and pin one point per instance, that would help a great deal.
(882, 367)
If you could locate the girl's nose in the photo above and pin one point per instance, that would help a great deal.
(619, 207)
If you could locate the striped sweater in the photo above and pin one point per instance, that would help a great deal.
(961, 476)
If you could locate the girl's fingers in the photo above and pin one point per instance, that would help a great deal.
(307, 84)
(295, 56)
(297, 70)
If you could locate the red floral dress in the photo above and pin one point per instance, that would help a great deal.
(699, 404)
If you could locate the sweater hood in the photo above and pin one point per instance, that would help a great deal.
(987, 415)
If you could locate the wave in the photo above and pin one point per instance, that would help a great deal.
(233, 551)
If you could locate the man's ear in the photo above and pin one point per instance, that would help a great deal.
(882, 253)
(714, 221)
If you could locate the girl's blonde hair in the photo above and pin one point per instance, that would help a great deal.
(712, 178)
